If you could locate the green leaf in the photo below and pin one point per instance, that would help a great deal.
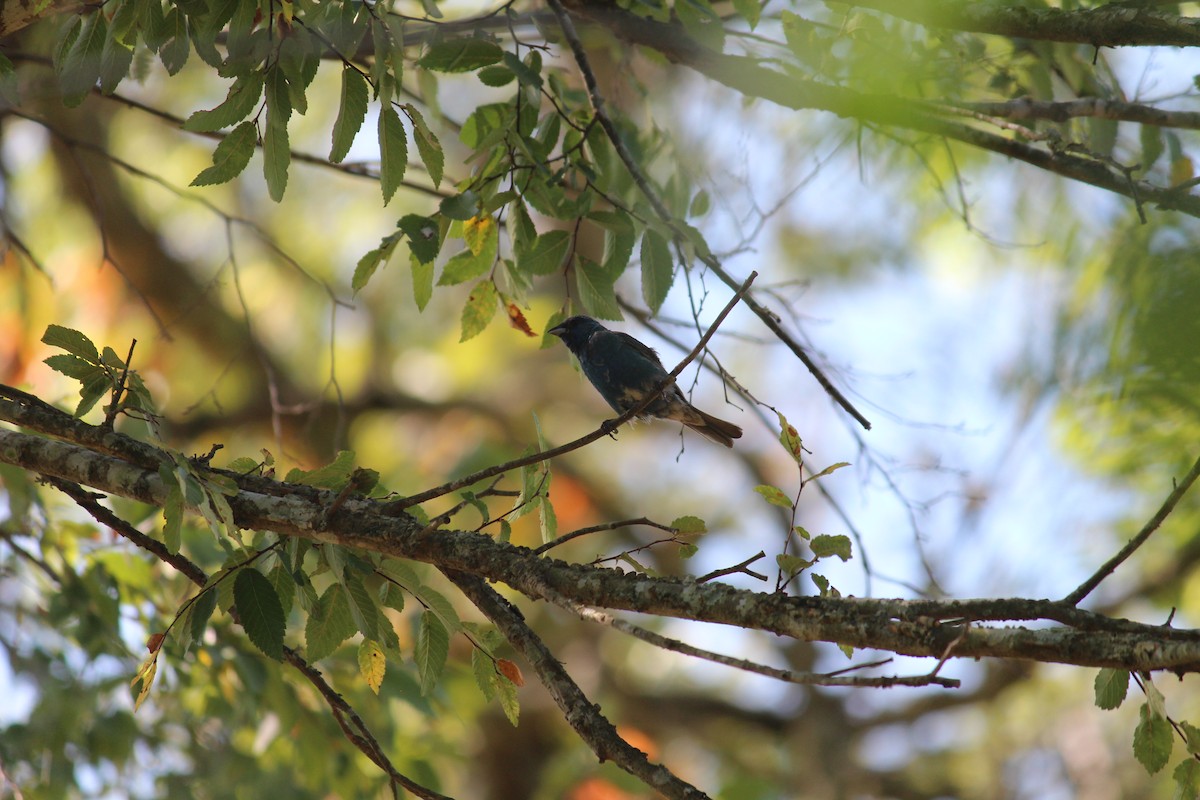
(364, 609)
(371, 664)
(1187, 779)
(547, 520)
(827, 470)
(367, 265)
(689, 524)
(277, 155)
(74, 367)
(422, 276)
(231, 156)
(352, 111)
(260, 612)
(175, 49)
(461, 206)
(432, 647)
(94, 387)
(774, 495)
(333, 475)
(240, 101)
(202, 610)
(793, 565)
(824, 586)
(748, 10)
(824, 546)
(81, 66)
(423, 236)
(657, 268)
(484, 670)
(1111, 687)
(72, 341)
(477, 231)
(393, 152)
(116, 57)
(172, 511)
(596, 289)
(1192, 736)
(460, 55)
(1152, 740)
(428, 146)
(547, 254)
(495, 76)
(525, 73)
(329, 624)
(8, 82)
(479, 310)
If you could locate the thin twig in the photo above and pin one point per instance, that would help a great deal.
(583, 715)
(363, 739)
(394, 508)
(1137, 541)
(643, 183)
(740, 567)
(607, 526)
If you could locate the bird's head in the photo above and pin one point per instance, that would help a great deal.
(575, 331)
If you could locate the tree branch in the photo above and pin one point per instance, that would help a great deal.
(580, 713)
(917, 628)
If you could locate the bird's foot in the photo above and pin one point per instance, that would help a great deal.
(609, 426)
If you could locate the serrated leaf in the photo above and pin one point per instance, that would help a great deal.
(231, 156)
(277, 156)
(547, 254)
(393, 152)
(547, 520)
(175, 49)
(792, 565)
(657, 268)
(596, 290)
(422, 276)
(172, 512)
(72, 341)
(260, 611)
(1187, 780)
(689, 524)
(507, 692)
(432, 647)
(329, 624)
(422, 234)
(116, 56)
(1192, 736)
(352, 112)
(73, 367)
(748, 10)
(333, 475)
(461, 206)
(479, 310)
(371, 664)
(1152, 740)
(477, 231)
(824, 546)
(94, 387)
(428, 146)
(484, 670)
(239, 102)
(1111, 687)
(364, 609)
(81, 66)
(774, 495)
(460, 55)
(366, 268)
(202, 610)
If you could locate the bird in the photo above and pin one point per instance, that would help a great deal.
(624, 371)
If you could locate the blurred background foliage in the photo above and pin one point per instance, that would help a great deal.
(1027, 348)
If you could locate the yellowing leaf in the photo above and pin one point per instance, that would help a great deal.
(774, 495)
(476, 232)
(479, 310)
(371, 664)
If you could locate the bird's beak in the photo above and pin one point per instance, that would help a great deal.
(558, 330)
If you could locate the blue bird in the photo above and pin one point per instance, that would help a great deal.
(624, 371)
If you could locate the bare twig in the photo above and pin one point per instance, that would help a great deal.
(607, 526)
(742, 567)
(1137, 541)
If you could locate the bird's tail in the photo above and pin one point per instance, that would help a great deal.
(718, 430)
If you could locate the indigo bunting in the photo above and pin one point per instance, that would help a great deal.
(624, 371)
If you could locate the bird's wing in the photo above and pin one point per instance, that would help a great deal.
(642, 349)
